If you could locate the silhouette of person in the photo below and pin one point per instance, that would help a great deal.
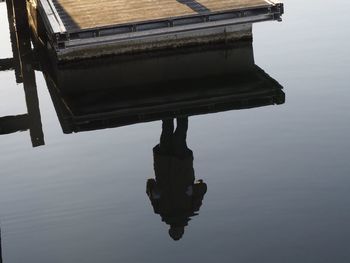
(174, 194)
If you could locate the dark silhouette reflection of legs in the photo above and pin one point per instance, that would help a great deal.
(174, 194)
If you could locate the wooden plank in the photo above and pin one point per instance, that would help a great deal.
(86, 14)
(6, 64)
(13, 38)
(12, 124)
(22, 50)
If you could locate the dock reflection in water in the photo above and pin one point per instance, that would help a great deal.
(166, 86)
(110, 93)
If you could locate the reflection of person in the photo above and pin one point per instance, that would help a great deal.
(174, 194)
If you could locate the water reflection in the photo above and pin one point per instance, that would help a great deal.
(113, 92)
(174, 194)
(30, 121)
(167, 86)
(108, 93)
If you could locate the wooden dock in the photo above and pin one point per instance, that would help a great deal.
(87, 14)
(104, 92)
(88, 28)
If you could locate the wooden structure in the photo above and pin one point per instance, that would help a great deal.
(22, 64)
(217, 78)
(89, 28)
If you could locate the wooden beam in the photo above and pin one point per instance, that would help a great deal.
(6, 64)
(30, 89)
(20, 13)
(12, 124)
(13, 38)
(23, 57)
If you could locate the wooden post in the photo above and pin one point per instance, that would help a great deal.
(6, 64)
(13, 38)
(22, 53)
(20, 13)
(28, 74)
(11, 124)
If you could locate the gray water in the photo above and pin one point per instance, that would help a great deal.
(277, 176)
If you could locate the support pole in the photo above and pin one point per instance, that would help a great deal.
(6, 64)
(12, 124)
(22, 51)
(28, 74)
(13, 38)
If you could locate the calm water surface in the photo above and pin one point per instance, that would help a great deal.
(278, 177)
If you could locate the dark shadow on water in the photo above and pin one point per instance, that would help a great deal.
(164, 85)
(6, 64)
(174, 193)
(216, 78)
(170, 85)
(195, 6)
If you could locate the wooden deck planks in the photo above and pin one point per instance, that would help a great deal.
(86, 14)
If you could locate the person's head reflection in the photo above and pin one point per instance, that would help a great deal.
(174, 194)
